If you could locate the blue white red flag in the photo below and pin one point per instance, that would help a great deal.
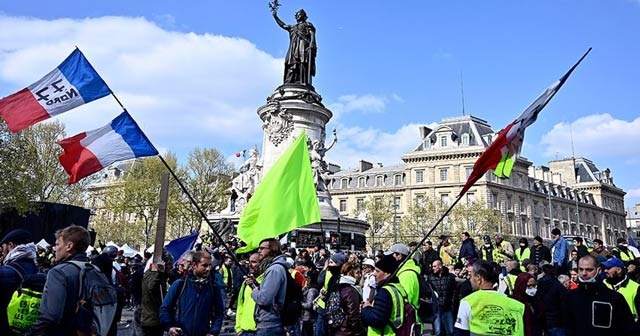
(71, 84)
(90, 152)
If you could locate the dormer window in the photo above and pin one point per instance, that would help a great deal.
(379, 180)
(443, 141)
(465, 139)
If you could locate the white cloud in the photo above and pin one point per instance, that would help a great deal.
(373, 145)
(185, 89)
(633, 193)
(599, 137)
(367, 103)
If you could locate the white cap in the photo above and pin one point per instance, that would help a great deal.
(369, 262)
(398, 248)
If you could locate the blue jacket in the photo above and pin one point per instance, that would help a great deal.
(59, 299)
(467, 250)
(197, 309)
(378, 315)
(560, 256)
(10, 280)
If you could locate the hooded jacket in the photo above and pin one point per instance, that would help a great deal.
(270, 294)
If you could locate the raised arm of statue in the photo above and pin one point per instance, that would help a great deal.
(280, 22)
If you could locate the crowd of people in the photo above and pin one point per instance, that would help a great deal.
(493, 288)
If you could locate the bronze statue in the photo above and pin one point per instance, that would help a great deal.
(300, 62)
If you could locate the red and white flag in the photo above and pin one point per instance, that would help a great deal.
(504, 150)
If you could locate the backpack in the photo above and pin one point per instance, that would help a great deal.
(410, 325)
(426, 311)
(24, 305)
(291, 310)
(97, 301)
(334, 312)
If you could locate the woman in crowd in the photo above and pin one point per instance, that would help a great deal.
(350, 300)
(525, 291)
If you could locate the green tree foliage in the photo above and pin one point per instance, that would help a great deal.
(30, 169)
(378, 212)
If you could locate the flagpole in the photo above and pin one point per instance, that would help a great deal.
(193, 201)
(433, 228)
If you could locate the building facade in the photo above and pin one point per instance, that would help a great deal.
(570, 194)
(633, 222)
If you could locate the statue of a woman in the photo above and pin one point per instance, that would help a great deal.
(300, 62)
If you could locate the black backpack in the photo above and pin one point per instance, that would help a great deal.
(291, 310)
(426, 306)
(410, 325)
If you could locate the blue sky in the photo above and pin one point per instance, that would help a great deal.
(194, 72)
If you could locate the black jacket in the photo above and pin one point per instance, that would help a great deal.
(428, 257)
(611, 311)
(539, 254)
(445, 285)
(552, 294)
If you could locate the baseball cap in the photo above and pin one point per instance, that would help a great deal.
(369, 262)
(613, 262)
(398, 248)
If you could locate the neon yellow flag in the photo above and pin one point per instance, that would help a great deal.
(284, 200)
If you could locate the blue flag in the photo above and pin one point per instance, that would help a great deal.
(181, 245)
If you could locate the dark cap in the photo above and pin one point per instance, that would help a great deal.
(622, 240)
(387, 264)
(18, 237)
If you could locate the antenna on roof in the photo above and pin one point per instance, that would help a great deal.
(462, 92)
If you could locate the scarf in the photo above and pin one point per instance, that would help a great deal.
(22, 251)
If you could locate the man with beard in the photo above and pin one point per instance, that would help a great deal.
(194, 306)
(594, 309)
(245, 322)
(270, 292)
(620, 282)
(18, 263)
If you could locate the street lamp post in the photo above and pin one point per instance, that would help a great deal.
(395, 222)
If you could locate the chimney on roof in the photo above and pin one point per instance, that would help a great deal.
(365, 165)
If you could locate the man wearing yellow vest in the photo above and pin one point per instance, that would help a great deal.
(245, 322)
(408, 274)
(485, 311)
(619, 282)
(386, 311)
(522, 253)
(503, 250)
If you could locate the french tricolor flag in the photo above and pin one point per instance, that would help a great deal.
(90, 152)
(71, 84)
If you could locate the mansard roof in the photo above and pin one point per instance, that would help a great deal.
(477, 130)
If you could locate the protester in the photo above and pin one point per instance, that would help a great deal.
(408, 274)
(599, 251)
(619, 282)
(594, 309)
(523, 253)
(384, 312)
(245, 322)
(552, 293)
(368, 281)
(505, 321)
(444, 284)
(154, 289)
(539, 252)
(193, 306)
(558, 251)
(487, 250)
(525, 292)
(429, 255)
(578, 245)
(270, 293)
(350, 300)
(623, 252)
(18, 259)
(60, 296)
(467, 248)
(504, 250)
(573, 260)
(309, 293)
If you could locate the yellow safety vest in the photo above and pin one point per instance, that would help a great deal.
(226, 274)
(521, 256)
(510, 281)
(397, 311)
(319, 301)
(493, 313)
(629, 291)
(408, 277)
(245, 320)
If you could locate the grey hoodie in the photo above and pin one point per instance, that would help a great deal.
(271, 293)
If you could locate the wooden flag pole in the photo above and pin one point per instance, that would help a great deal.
(162, 219)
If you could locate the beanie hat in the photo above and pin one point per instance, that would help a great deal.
(18, 237)
(338, 258)
(387, 264)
